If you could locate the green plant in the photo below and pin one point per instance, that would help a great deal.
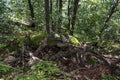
(19, 77)
(44, 70)
(4, 68)
(109, 77)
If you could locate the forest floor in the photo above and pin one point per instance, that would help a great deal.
(75, 62)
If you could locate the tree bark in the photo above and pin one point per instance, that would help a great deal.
(60, 16)
(74, 16)
(47, 16)
(51, 18)
(69, 20)
(31, 12)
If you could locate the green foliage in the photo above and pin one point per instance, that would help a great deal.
(2, 45)
(4, 68)
(44, 70)
(19, 77)
(89, 22)
(109, 77)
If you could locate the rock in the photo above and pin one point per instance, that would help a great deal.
(73, 40)
(10, 59)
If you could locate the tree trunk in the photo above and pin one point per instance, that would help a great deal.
(74, 16)
(69, 18)
(31, 12)
(47, 16)
(60, 16)
(51, 18)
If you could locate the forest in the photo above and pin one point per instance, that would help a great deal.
(59, 39)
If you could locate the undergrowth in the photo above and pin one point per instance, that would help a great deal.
(4, 68)
(43, 70)
(109, 77)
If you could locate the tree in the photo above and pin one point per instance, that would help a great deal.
(47, 16)
(111, 12)
(76, 2)
(51, 17)
(31, 12)
(69, 20)
(60, 16)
